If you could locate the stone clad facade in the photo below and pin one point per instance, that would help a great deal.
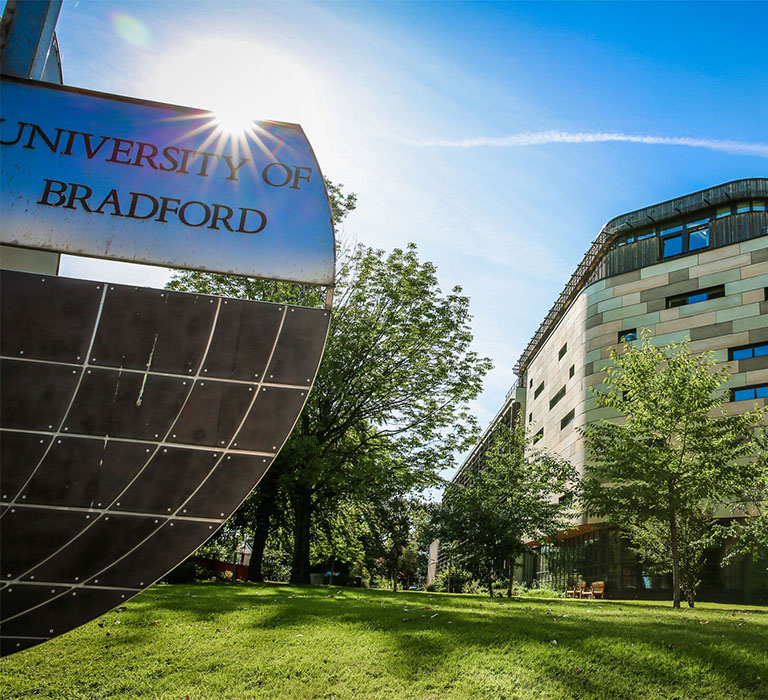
(694, 267)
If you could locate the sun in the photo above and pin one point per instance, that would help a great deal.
(239, 82)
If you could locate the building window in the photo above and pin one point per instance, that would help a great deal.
(530, 383)
(684, 236)
(571, 371)
(627, 335)
(695, 297)
(538, 435)
(760, 391)
(530, 417)
(539, 389)
(562, 352)
(559, 395)
(744, 352)
(568, 418)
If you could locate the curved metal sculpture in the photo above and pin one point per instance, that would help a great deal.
(135, 420)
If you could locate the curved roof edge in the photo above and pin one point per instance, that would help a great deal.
(671, 208)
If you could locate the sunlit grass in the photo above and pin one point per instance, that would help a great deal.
(217, 641)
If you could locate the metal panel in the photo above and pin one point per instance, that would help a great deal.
(67, 319)
(114, 474)
(212, 414)
(240, 348)
(83, 472)
(105, 176)
(222, 491)
(127, 405)
(141, 330)
(43, 408)
(20, 454)
(167, 481)
(268, 423)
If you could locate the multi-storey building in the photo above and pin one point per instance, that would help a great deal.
(694, 267)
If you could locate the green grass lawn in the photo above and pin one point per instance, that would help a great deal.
(215, 641)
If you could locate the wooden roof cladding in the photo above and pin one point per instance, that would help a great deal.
(673, 208)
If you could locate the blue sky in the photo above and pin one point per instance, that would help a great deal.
(434, 112)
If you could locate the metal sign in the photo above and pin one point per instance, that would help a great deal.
(99, 175)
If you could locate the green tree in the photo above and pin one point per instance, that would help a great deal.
(395, 380)
(661, 471)
(516, 494)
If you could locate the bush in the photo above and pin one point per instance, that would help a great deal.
(276, 566)
(453, 580)
(187, 572)
(521, 590)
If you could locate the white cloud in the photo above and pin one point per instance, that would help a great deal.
(537, 138)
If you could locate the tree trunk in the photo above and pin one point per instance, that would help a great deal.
(302, 513)
(261, 523)
(511, 577)
(257, 552)
(675, 562)
(490, 585)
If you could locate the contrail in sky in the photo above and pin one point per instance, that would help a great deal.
(537, 138)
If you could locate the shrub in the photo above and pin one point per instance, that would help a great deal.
(276, 566)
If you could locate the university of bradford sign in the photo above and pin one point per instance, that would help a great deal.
(103, 176)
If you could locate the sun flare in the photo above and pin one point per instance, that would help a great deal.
(239, 81)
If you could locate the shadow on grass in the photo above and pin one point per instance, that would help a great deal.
(648, 642)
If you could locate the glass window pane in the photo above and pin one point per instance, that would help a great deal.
(672, 246)
(646, 235)
(723, 211)
(716, 292)
(743, 394)
(761, 351)
(758, 206)
(700, 222)
(671, 229)
(694, 298)
(742, 354)
(741, 207)
(698, 239)
(762, 392)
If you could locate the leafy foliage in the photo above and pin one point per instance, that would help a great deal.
(662, 471)
(517, 493)
(389, 406)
